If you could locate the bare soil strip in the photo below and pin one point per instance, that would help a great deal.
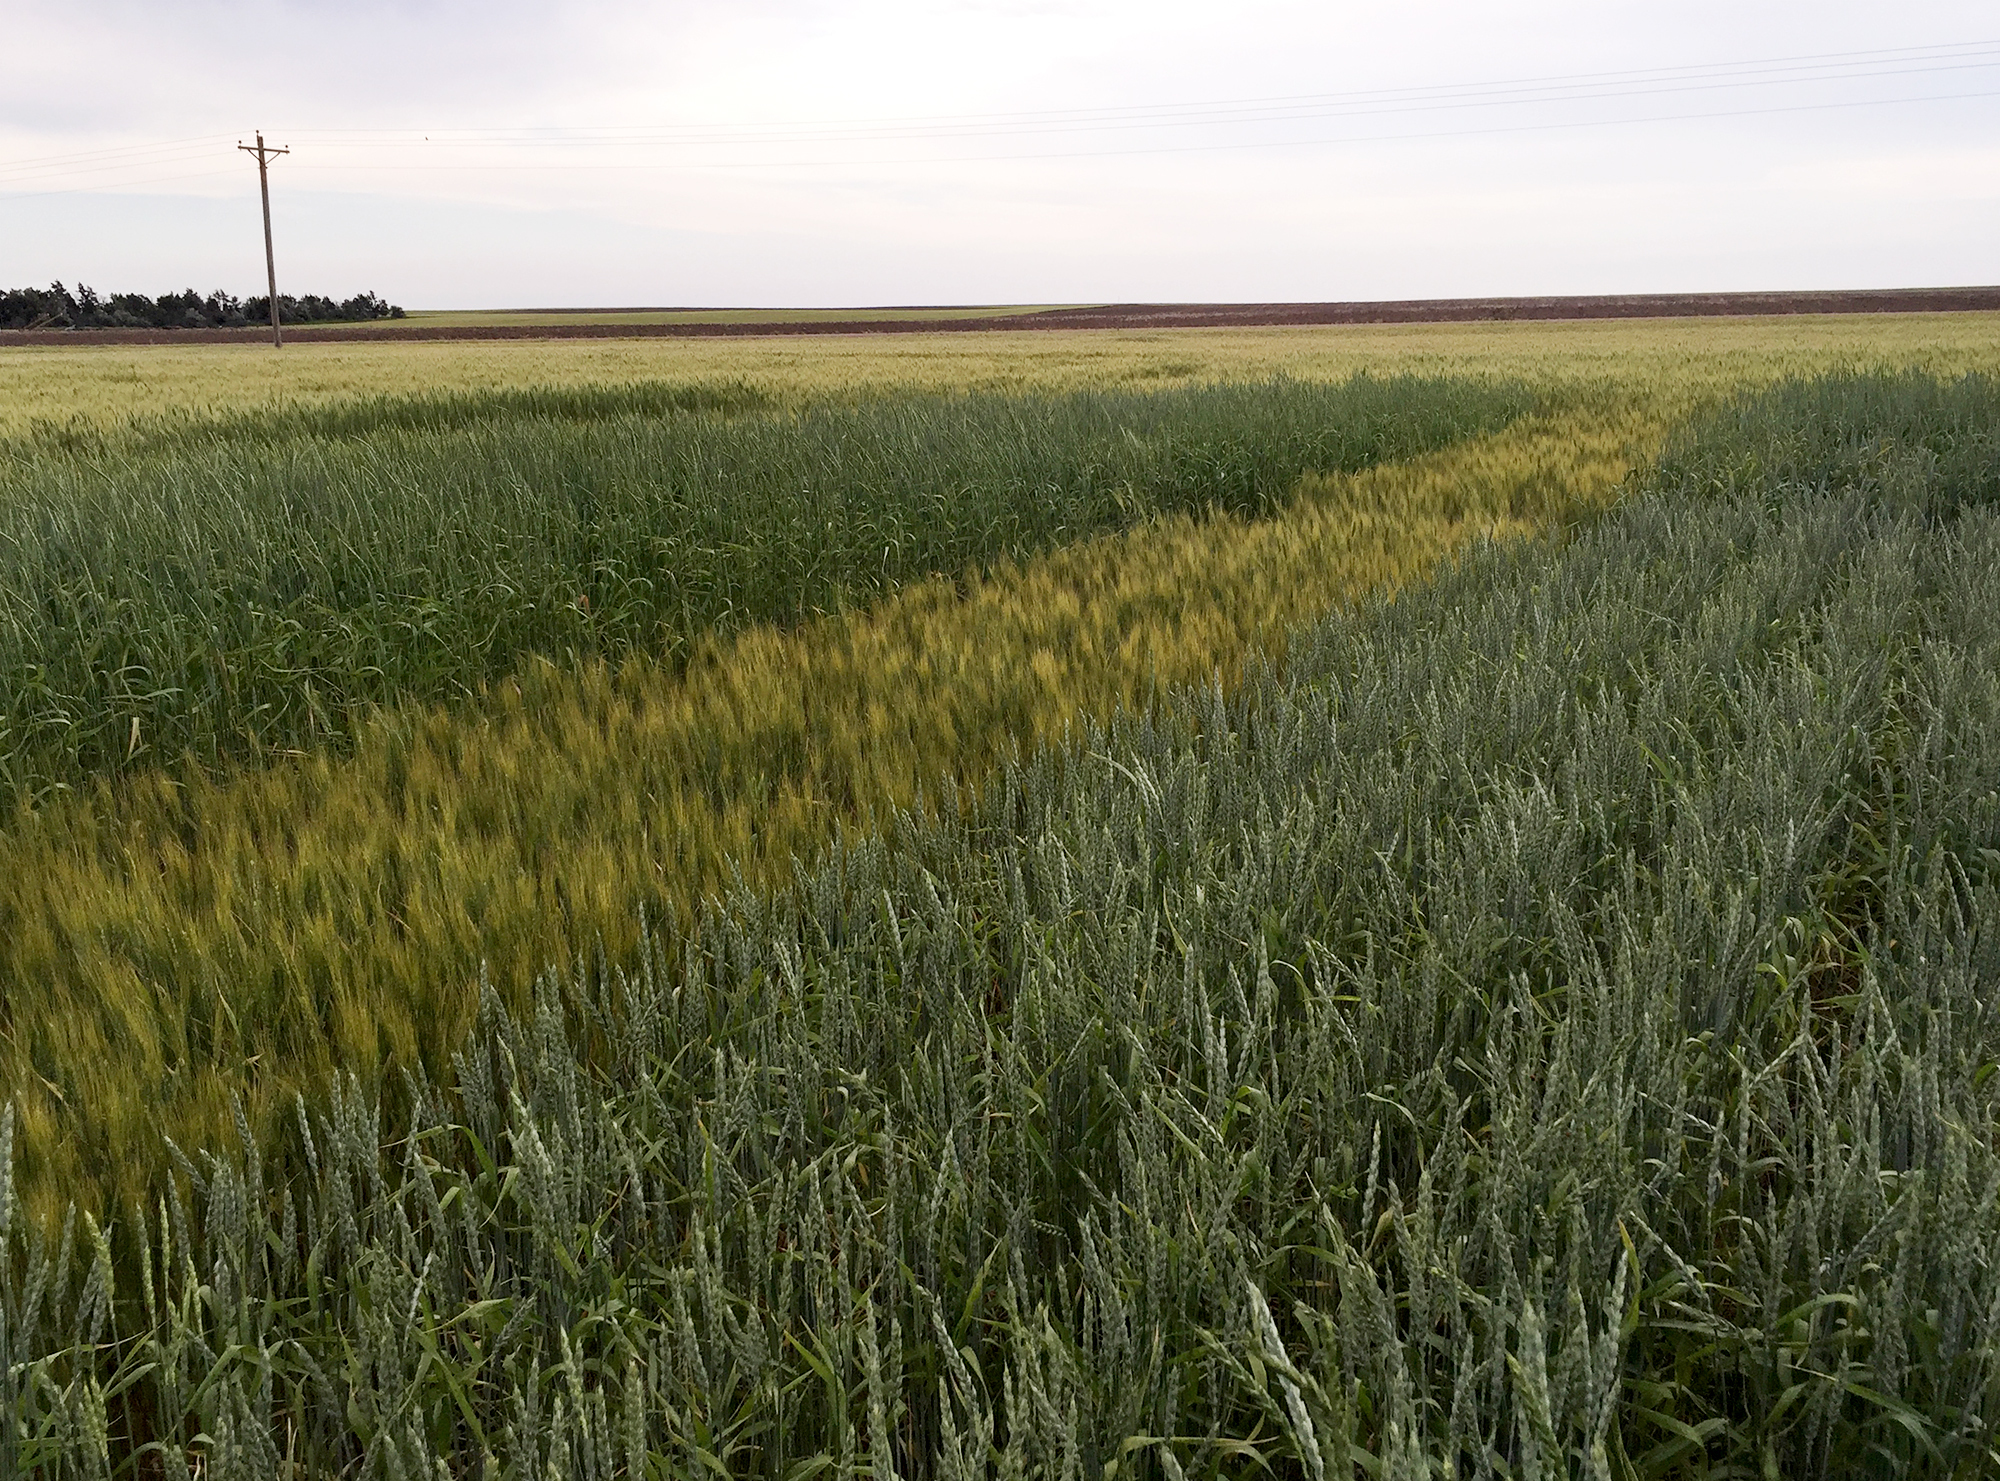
(1116, 316)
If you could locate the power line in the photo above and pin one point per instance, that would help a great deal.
(32, 195)
(634, 139)
(1447, 93)
(86, 155)
(570, 165)
(1235, 114)
(180, 156)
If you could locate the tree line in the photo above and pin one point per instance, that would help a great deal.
(56, 307)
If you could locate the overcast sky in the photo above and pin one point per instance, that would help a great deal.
(448, 153)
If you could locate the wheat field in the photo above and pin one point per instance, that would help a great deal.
(1440, 931)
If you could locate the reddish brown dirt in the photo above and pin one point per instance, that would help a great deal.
(1122, 316)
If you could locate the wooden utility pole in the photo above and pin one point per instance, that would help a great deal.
(264, 158)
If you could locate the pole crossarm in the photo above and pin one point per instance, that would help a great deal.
(265, 155)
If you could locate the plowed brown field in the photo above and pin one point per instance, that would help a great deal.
(1111, 316)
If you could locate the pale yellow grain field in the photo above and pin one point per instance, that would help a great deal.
(101, 385)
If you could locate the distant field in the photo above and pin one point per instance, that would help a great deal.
(101, 384)
(533, 318)
(698, 323)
